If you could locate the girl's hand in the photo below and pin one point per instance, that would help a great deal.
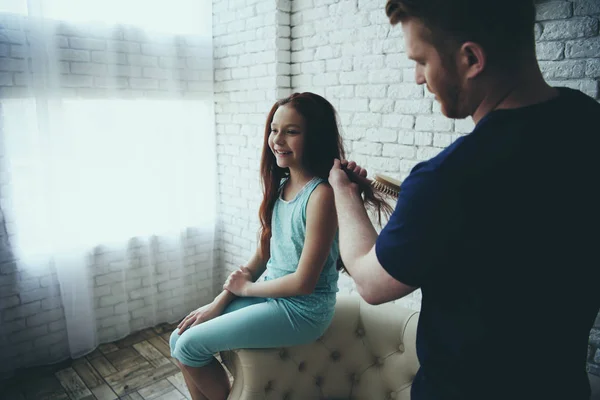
(239, 281)
(203, 314)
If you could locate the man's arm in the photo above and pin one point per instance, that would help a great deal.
(357, 244)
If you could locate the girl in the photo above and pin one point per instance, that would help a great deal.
(294, 303)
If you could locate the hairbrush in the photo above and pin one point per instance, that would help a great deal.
(386, 184)
(380, 183)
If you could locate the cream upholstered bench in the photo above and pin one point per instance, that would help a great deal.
(368, 353)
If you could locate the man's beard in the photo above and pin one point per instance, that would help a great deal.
(452, 102)
(452, 96)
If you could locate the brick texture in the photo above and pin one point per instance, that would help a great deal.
(252, 70)
(144, 64)
(348, 52)
(163, 280)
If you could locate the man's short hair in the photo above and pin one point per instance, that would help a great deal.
(501, 27)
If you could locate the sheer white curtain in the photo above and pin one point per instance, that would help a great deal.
(108, 159)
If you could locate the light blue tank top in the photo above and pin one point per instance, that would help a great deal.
(288, 231)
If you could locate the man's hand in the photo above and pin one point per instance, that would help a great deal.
(346, 174)
(203, 314)
(356, 170)
(239, 281)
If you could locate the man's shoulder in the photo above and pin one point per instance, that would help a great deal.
(502, 132)
(437, 172)
(574, 106)
(569, 95)
(442, 163)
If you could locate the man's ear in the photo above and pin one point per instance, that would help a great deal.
(472, 59)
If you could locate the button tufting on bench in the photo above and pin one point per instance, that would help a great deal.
(283, 354)
(269, 386)
(335, 355)
(319, 381)
(367, 350)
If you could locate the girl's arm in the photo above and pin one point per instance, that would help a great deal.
(256, 266)
(321, 227)
(254, 269)
(258, 263)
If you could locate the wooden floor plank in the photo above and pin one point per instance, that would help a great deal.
(94, 354)
(93, 380)
(151, 353)
(161, 346)
(107, 348)
(122, 354)
(125, 374)
(132, 396)
(178, 381)
(155, 390)
(73, 385)
(88, 374)
(148, 333)
(103, 366)
(129, 340)
(124, 382)
(137, 367)
(166, 336)
(127, 358)
(161, 328)
(165, 327)
(172, 395)
(44, 388)
(104, 392)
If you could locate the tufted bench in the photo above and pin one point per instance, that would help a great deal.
(368, 353)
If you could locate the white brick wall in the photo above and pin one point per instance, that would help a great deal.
(90, 56)
(252, 70)
(163, 280)
(347, 51)
(353, 56)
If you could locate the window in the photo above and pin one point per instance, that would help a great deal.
(87, 172)
(173, 16)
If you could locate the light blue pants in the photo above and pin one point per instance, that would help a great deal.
(248, 322)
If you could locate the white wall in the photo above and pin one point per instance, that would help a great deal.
(347, 51)
(163, 280)
(252, 71)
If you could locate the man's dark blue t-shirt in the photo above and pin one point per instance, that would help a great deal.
(501, 233)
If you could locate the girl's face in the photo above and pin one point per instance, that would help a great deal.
(286, 139)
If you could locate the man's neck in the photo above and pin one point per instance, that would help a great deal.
(515, 91)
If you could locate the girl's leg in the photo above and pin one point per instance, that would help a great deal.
(213, 377)
(194, 391)
(262, 325)
(211, 380)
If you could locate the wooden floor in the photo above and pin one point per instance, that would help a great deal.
(138, 367)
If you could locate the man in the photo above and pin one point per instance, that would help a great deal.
(499, 230)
